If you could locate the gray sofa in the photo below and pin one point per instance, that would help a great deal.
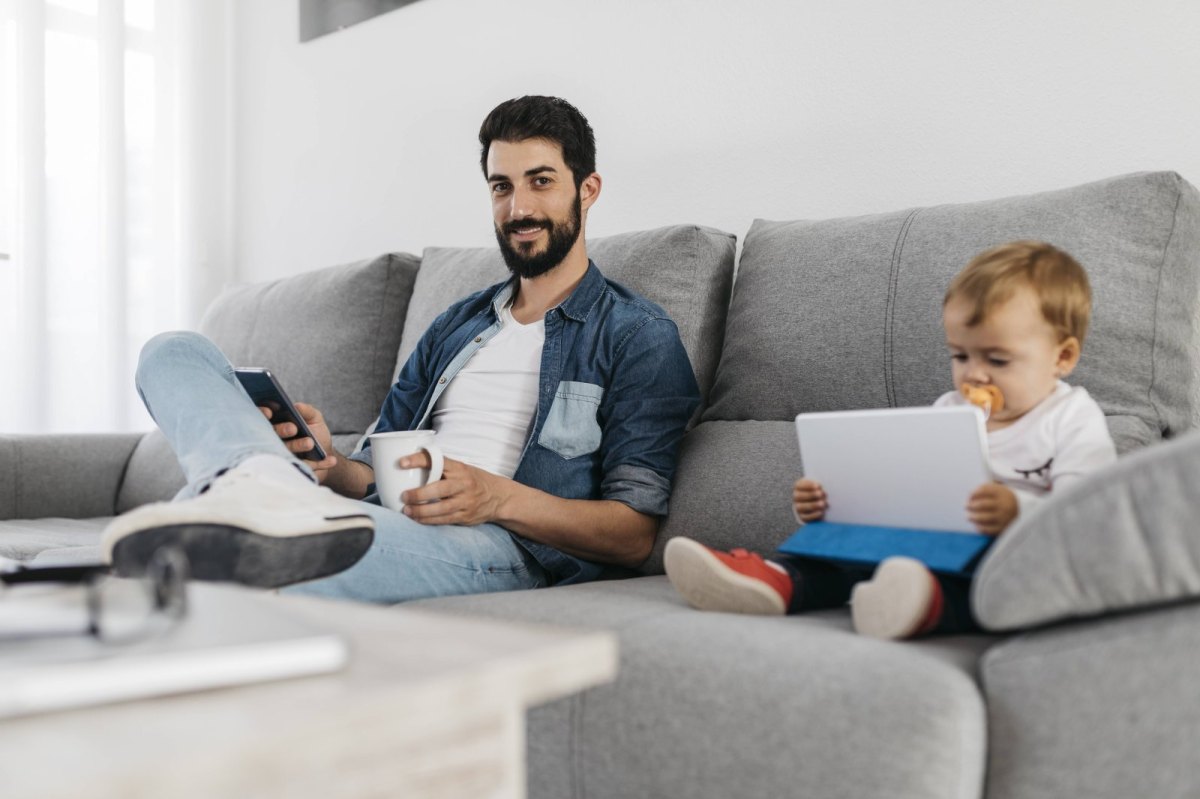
(1086, 686)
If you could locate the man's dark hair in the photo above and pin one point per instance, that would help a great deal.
(537, 117)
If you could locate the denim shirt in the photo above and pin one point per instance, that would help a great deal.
(615, 393)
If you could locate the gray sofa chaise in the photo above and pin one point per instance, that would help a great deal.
(1085, 687)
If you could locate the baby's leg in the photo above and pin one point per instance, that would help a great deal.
(817, 584)
(956, 606)
(904, 599)
(739, 581)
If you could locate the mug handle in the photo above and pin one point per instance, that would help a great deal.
(436, 462)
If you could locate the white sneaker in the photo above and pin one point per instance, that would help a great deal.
(901, 600)
(263, 523)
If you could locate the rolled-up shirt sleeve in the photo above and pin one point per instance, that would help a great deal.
(645, 413)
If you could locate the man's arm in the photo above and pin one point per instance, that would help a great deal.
(600, 530)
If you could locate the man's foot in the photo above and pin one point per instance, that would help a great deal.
(901, 600)
(734, 582)
(263, 523)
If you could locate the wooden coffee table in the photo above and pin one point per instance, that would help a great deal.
(430, 705)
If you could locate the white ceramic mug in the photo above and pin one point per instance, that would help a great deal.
(386, 451)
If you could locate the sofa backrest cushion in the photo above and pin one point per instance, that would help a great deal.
(1121, 540)
(846, 313)
(686, 269)
(330, 336)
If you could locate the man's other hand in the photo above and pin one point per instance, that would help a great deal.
(465, 495)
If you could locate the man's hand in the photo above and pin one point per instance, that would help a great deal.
(316, 424)
(605, 531)
(465, 495)
(809, 500)
(992, 507)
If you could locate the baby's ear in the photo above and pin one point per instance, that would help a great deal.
(1068, 355)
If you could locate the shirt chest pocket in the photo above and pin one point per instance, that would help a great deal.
(572, 428)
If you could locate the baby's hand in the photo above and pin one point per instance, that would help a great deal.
(808, 499)
(991, 508)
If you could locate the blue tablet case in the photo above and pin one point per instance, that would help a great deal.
(864, 545)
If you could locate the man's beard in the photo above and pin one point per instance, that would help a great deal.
(521, 260)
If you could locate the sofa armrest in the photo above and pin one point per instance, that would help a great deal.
(73, 476)
(1124, 538)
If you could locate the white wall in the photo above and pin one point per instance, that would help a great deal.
(363, 141)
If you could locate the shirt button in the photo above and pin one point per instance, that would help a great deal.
(478, 339)
(441, 380)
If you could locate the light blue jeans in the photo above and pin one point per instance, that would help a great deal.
(189, 388)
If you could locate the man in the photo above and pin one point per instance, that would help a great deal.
(559, 399)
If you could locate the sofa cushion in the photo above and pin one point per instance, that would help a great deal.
(846, 313)
(733, 488)
(76, 475)
(715, 705)
(153, 474)
(26, 539)
(1105, 710)
(330, 336)
(686, 269)
(1124, 538)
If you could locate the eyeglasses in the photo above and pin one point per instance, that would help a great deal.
(39, 602)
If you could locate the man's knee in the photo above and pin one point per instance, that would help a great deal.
(175, 346)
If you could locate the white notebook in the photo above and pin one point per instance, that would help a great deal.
(897, 467)
(229, 636)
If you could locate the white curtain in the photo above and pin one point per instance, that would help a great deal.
(114, 159)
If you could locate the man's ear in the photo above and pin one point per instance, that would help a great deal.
(589, 190)
(1068, 356)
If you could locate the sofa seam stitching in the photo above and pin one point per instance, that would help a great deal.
(889, 341)
(577, 788)
(383, 297)
(1150, 390)
(116, 500)
(18, 509)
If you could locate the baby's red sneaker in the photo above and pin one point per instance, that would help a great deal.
(735, 582)
(901, 600)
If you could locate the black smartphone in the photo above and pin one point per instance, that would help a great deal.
(266, 392)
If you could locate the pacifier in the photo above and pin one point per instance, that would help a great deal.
(987, 398)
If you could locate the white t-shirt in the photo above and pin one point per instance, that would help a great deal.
(482, 417)
(1063, 438)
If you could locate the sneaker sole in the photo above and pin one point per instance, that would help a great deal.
(894, 602)
(224, 553)
(708, 584)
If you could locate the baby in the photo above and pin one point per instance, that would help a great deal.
(1015, 320)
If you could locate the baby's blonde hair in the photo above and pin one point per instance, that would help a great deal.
(993, 276)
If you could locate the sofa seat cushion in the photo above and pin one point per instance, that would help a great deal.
(1104, 710)
(711, 704)
(846, 313)
(26, 539)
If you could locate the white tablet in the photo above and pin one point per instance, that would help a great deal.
(897, 467)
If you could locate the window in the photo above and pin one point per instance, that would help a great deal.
(88, 269)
